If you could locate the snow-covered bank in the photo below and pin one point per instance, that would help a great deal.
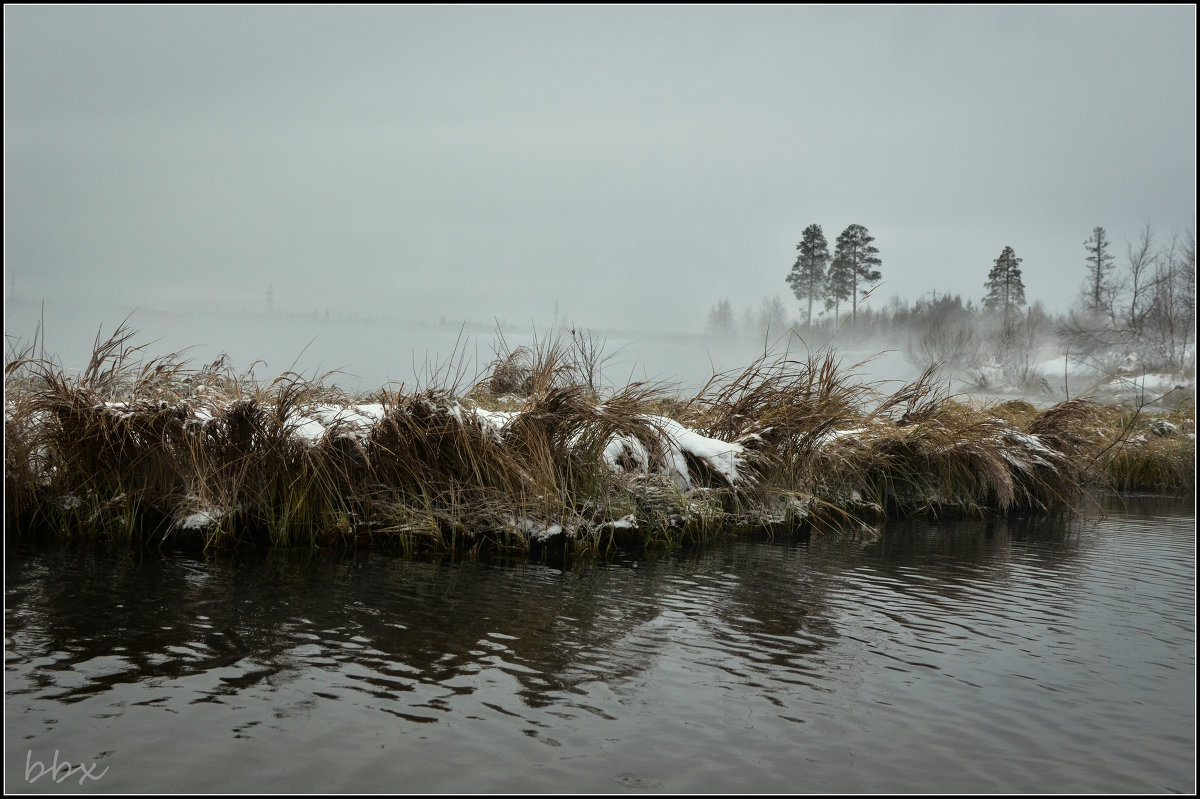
(152, 449)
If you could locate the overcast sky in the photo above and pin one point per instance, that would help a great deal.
(631, 164)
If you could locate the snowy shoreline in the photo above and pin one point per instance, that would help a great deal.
(156, 451)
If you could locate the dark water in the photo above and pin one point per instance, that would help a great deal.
(964, 657)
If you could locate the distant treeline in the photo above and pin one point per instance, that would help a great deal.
(1138, 312)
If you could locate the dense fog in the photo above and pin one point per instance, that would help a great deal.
(888, 347)
(381, 190)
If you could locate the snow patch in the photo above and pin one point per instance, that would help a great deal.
(534, 529)
(201, 519)
(723, 457)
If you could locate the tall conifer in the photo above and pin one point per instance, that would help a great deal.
(808, 278)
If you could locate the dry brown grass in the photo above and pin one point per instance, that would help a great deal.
(1153, 452)
(146, 448)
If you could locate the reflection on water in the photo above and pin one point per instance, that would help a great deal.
(1019, 655)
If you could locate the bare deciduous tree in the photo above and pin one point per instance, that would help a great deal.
(1137, 285)
(1172, 315)
(720, 320)
(1150, 316)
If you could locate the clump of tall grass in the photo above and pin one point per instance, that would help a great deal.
(100, 447)
(538, 451)
(1155, 452)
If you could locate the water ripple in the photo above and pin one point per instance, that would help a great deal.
(1011, 656)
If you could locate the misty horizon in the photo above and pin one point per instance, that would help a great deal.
(633, 165)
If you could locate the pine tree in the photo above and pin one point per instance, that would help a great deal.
(1005, 291)
(1099, 287)
(807, 278)
(859, 258)
(839, 285)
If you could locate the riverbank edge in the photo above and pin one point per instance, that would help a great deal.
(536, 455)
